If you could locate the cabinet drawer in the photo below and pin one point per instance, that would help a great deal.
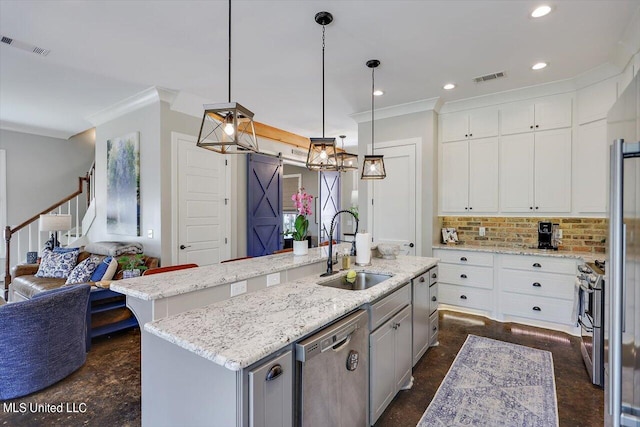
(465, 257)
(430, 276)
(540, 264)
(433, 328)
(542, 284)
(433, 298)
(384, 309)
(536, 307)
(465, 297)
(468, 275)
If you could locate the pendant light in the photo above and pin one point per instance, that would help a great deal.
(322, 151)
(346, 161)
(373, 166)
(228, 128)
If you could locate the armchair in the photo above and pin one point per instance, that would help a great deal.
(42, 340)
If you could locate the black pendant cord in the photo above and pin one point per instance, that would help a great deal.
(373, 86)
(323, 44)
(229, 51)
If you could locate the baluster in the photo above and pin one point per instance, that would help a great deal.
(77, 216)
(30, 237)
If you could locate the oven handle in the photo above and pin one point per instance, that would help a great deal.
(586, 328)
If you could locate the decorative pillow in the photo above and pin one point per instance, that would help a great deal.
(82, 272)
(111, 271)
(98, 273)
(57, 265)
(61, 250)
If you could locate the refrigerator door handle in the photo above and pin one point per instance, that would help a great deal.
(623, 267)
(616, 241)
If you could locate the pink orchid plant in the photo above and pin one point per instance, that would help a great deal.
(302, 201)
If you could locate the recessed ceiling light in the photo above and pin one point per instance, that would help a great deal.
(541, 11)
(539, 66)
(449, 86)
(378, 92)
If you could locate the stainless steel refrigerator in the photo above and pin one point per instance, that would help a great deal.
(622, 282)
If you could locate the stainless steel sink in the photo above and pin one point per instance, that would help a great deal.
(363, 281)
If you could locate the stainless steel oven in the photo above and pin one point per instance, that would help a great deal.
(591, 318)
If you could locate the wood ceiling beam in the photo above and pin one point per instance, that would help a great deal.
(290, 138)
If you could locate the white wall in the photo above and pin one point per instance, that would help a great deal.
(421, 125)
(146, 121)
(42, 170)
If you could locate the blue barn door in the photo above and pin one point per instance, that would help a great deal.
(264, 205)
(329, 204)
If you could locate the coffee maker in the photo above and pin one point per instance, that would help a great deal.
(545, 235)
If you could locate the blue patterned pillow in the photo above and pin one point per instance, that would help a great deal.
(83, 271)
(57, 265)
(64, 250)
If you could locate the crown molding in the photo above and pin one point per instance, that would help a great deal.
(35, 130)
(399, 110)
(132, 103)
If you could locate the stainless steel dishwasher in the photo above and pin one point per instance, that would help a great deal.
(333, 375)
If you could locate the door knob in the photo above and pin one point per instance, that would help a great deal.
(409, 244)
(183, 247)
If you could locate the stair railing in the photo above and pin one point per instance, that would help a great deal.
(72, 202)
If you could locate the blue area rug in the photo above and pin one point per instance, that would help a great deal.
(494, 383)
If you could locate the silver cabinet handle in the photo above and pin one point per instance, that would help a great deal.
(274, 372)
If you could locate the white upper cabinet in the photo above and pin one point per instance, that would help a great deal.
(591, 171)
(535, 172)
(477, 123)
(551, 112)
(595, 101)
(470, 176)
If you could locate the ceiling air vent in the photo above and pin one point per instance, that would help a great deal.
(297, 152)
(491, 76)
(25, 46)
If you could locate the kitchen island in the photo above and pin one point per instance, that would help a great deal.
(197, 365)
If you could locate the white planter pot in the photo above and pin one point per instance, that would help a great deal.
(300, 247)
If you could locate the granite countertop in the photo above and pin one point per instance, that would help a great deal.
(586, 256)
(238, 332)
(158, 286)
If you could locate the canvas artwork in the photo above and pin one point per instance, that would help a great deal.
(123, 185)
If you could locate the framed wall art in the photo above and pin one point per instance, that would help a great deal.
(123, 185)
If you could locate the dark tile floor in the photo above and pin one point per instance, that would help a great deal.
(109, 383)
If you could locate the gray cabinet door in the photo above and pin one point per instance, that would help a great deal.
(271, 393)
(382, 369)
(403, 356)
(421, 312)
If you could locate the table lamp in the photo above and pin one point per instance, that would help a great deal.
(55, 223)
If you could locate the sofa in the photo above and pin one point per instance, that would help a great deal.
(24, 284)
(43, 340)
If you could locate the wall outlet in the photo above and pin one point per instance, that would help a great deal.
(238, 288)
(482, 231)
(273, 279)
(150, 234)
(559, 233)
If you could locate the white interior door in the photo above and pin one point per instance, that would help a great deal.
(394, 199)
(202, 212)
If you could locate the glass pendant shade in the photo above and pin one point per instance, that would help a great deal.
(373, 168)
(227, 129)
(322, 154)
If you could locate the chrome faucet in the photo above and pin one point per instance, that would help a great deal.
(330, 271)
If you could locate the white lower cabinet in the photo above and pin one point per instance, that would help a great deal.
(538, 288)
(271, 393)
(390, 358)
(528, 289)
(466, 279)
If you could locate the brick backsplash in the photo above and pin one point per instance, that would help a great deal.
(578, 234)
